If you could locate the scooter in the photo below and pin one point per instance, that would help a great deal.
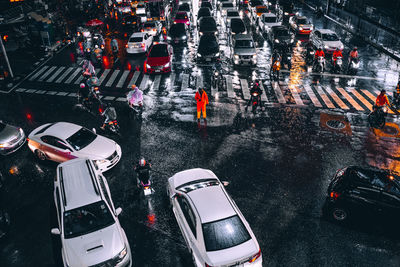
(377, 118)
(216, 79)
(354, 65)
(275, 68)
(337, 66)
(137, 106)
(255, 102)
(144, 180)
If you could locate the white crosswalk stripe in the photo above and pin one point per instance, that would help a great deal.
(156, 83)
(312, 96)
(245, 89)
(143, 83)
(324, 97)
(62, 77)
(172, 81)
(361, 98)
(199, 81)
(112, 78)
(264, 94)
(80, 78)
(336, 98)
(103, 76)
(134, 79)
(55, 74)
(47, 73)
(33, 77)
(229, 86)
(185, 81)
(350, 99)
(122, 79)
(278, 92)
(73, 75)
(295, 94)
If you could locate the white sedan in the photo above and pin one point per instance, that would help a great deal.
(212, 225)
(139, 42)
(62, 141)
(152, 27)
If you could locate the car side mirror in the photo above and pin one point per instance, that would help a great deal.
(118, 211)
(55, 231)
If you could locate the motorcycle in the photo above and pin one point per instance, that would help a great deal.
(144, 180)
(377, 118)
(136, 105)
(354, 65)
(320, 65)
(113, 127)
(98, 53)
(216, 79)
(255, 102)
(337, 66)
(287, 60)
(275, 68)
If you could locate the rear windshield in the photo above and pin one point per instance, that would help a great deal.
(233, 13)
(204, 11)
(181, 16)
(270, 19)
(135, 39)
(225, 233)
(159, 51)
(177, 28)
(184, 7)
(237, 23)
(81, 139)
(244, 44)
(330, 37)
(149, 25)
(302, 21)
(208, 23)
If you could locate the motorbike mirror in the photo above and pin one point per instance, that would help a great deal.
(118, 211)
(225, 183)
(55, 231)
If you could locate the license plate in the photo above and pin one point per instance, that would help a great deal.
(158, 70)
(147, 192)
(176, 41)
(208, 59)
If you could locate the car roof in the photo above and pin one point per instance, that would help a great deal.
(325, 31)
(211, 203)
(78, 184)
(241, 36)
(62, 130)
(190, 175)
(138, 34)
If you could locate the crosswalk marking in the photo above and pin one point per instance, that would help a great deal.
(66, 72)
(55, 74)
(229, 86)
(69, 80)
(245, 89)
(143, 84)
(199, 81)
(278, 93)
(80, 78)
(185, 81)
(109, 98)
(62, 93)
(38, 73)
(361, 98)
(31, 90)
(157, 81)
(20, 90)
(123, 78)
(350, 99)
(324, 97)
(264, 93)
(51, 92)
(134, 79)
(47, 73)
(121, 99)
(172, 81)
(296, 96)
(40, 92)
(336, 98)
(112, 78)
(103, 76)
(73, 94)
(312, 96)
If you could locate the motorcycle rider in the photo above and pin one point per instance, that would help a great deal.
(319, 53)
(134, 96)
(381, 100)
(83, 93)
(88, 69)
(255, 89)
(275, 56)
(114, 46)
(353, 55)
(108, 112)
(337, 53)
(142, 168)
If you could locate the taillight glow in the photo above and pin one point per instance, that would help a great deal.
(334, 195)
(142, 45)
(255, 257)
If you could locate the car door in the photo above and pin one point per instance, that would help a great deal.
(186, 221)
(389, 204)
(56, 149)
(363, 199)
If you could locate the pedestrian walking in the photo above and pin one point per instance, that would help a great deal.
(202, 100)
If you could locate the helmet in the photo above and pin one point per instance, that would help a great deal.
(355, 48)
(134, 87)
(320, 48)
(256, 81)
(383, 91)
(82, 85)
(142, 162)
(337, 49)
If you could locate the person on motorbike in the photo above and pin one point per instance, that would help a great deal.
(337, 53)
(353, 55)
(134, 96)
(275, 56)
(381, 100)
(319, 53)
(396, 95)
(88, 69)
(83, 93)
(142, 168)
(108, 112)
(255, 89)
(114, 46)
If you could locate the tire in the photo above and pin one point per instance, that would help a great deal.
(40, 155)
(339, 214)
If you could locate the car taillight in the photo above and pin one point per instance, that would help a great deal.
(255, 257)
(208, 265)
(334, 195)
(142, 45)
(126, 45)
(146, 187)
(142, 30)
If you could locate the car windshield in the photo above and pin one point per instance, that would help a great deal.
(302, 21)
(232, 13)
(149, 25)
(87, 219)
(81, 139)
(270, 19)
(159, 51)
(2, 126)
(282, 33)
(330, 37)
(244, 44)
(181, 16)
(225, 233)
(135, 39)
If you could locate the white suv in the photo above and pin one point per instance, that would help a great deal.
(90, 232)
(212, 225)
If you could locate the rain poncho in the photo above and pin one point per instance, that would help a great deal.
(134, 97)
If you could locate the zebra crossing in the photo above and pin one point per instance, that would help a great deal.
(275, 93)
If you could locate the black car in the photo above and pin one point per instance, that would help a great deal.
(206, 4)
(237, 26)
(184, 7)
(207, 25)
(359, 191)
(203, 12)
(254, 3)
(287, 9)
(177, 33)
(208, 49)
(280, 36)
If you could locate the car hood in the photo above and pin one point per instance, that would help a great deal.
(8, 133)
(157, 61)
(100, 148)
(232, 255)
(333, 44)
(245, 51)
(95, 247)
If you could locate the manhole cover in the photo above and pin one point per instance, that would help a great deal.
(390, 130)
(335, 124)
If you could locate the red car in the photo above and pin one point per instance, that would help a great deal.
(159, 59)
(182, 17)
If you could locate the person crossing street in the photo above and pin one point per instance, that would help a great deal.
(202, 100)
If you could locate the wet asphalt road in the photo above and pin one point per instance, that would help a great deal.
(278, 162)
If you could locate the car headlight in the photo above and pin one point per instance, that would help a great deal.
(236, 56)
(254, 56)
(169, 38)
(276, 41)
(217, 54)
(3, 145)
(326, 47)
(123, 253)
(167, 65)
(286, 13)
(100, 161)
(300, 28)
(198, 54)
(201, 33)
(148, 66)
(184, 37)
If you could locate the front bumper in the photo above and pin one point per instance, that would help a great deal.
(157, 69)
(107, 164)
(246, 60)
(13, 147)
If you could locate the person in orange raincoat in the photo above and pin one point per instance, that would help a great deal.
(202, 100)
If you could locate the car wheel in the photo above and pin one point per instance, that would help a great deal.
(40, 155)
(339, 214)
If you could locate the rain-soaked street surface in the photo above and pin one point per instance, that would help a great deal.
(278, 162)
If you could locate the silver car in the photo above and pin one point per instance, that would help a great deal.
(244, 51)
(11, 138)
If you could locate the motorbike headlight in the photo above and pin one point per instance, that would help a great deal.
(198, 54)
(217, 54)
(216, 73)
(167, 65)
(286, 13)
(236, 56)
(326, 47)
(184, 37)
(169, 38)
(385, 109)
(276, 41)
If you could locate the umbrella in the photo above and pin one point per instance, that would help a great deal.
(94, 22)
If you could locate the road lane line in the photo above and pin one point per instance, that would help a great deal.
(103, 76)
(143, 84)
(73, 94)
(66, 72)
(185, 81)
(172, 81)
(80, 78)
(336, 98)
(69, 80)
(199, 82)
(49, 80)
(245, 89)
(156, 83)
(324, 97)
(109, 98)
(278, 93)
(47, 73)
(40, 92)
(264, 94)
(361, 98)
(350, 99)
(229, 86)
(112, 78)
(295, 94)
(20, 90)
(312, 96)
(51, 92)
(62, 93)
(30, 91)
(123, 78)
(38, 73)
(134, 79)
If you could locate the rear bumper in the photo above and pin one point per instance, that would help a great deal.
(152, 70)
(136, 50)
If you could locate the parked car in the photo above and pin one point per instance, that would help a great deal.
(230, 14)
(159, 59)
(11, 138)
(207, 25)
(356, 192)
(215, 231)
(177, 33)
(327, 39)
(208, 49)
(152, 27)
(182, 17)
(244, 50)
(300, 25)
(237, 26)
(267, 21)
(280, 36)
(88, 224)
(139, 42)
(63, 141)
